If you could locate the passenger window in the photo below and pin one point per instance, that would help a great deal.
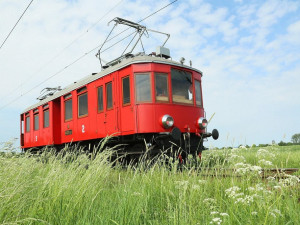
(83, 105)
(126, 90)
(161, 87)
(27, 123)
(182, 86)
(109, 96)
(198, 93)
(68, 110)
(143, 88)
(46, 118)
(100, 99)
(36, 121)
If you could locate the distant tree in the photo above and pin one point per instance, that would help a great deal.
(296, 138)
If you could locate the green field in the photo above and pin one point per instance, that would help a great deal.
(73, 189)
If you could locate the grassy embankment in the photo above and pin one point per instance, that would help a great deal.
(73, 189)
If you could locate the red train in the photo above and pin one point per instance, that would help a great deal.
(141, 99)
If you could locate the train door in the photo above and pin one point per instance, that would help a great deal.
(126, 104)
(67, 115)
(100, 129)
(111, 106)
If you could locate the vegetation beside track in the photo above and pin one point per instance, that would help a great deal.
(72, 188)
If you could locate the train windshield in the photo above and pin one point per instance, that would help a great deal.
(182, 86)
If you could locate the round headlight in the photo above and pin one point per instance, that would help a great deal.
(202, 122)
(167, 121)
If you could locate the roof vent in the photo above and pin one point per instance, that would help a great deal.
(163, 52)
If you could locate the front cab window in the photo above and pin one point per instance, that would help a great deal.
(161, 87)
(143, 88)
(182, 86)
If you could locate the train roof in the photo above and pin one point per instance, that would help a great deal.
(124, 63)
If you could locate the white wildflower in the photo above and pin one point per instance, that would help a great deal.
(214, 213)
(291, 180)
(216, 220)
(202, 181)
(182, 184)
(264, 162)
(276, 187)
(196, 187)
(224, 214)
(137, 194)
(254, 213)
(264, 154)
(209, 200)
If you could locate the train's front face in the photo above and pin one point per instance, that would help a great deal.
(169, 103)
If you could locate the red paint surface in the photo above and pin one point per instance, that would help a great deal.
(120, 120)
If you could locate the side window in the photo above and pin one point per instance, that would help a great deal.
(82, 102)
(100, 98)
(126, 90)
(109, 96)
(161, 87)
(46, 118)
(36, 121)
(198, 93)
(27, 121)
(143, 87)
(68, 107)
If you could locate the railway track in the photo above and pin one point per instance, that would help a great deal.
(278, 173)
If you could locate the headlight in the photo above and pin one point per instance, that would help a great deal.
(167, 121)
(202, 122)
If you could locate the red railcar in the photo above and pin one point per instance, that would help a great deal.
(138, 98)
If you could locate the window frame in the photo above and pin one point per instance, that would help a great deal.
(102, 110)
(80, 92)
(36, 114)
(27, 123)
(150, 84)
(106, 96)
(46, 110)
(68, 97)
(192, 103)
(129, 103)
(201, 101)
(168, 87)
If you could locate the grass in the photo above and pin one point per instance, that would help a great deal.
(73, 189)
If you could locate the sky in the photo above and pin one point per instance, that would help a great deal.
(248, 52)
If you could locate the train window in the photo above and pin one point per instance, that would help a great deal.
(100, 99)
(68, 110)
(46, 118)
(126, 90)
(143, 87)
(198, 93)
(36, 121)
(83, 105)
(68, 96)
(161, 87)
(27, 123)
(80, 90)
(109, 96)
(182, 86)
(45, 106)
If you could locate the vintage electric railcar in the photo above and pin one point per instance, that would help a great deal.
(141, 100)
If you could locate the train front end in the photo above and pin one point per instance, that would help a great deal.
(169, 106)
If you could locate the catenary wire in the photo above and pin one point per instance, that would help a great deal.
(57, 55)
(15, 24)
(79, 58)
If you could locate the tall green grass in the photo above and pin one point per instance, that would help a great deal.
(72, 188)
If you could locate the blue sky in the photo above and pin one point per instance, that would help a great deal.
(247, 50)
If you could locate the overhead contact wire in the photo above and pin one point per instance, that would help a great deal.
(16, 24)
(85, 55)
